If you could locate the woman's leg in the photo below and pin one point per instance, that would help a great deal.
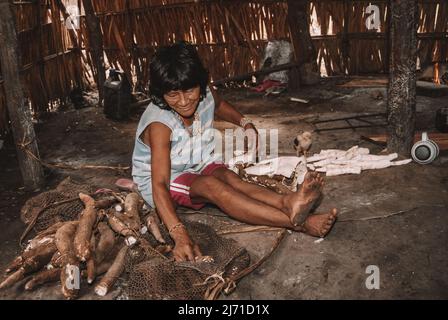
(249, 189)
(236, 204)
(295, 205)
(246, 209)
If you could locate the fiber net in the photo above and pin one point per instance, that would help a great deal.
(154, 276)
(151, 273)
(48, 214)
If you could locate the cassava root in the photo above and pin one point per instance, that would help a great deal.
(103, 287)
(64, 242)
(85, 227)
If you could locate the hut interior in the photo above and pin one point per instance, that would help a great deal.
(354, 91)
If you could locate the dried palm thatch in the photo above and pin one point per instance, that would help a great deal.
(230, 37)
(50, 58)
(346, 46)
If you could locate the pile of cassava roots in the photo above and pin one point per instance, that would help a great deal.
(94, 245)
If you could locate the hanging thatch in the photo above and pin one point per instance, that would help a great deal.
(230, 36)
(50, 59)
(353, 49)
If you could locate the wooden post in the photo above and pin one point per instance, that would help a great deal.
(19, 113)
(96, 45)
(304, 51)
(41, 62)
(387, 39)
(402, 79)
(345, 43)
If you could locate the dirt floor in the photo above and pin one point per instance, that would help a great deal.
(394, 218)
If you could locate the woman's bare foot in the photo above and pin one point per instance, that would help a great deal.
(298, 204)
(318, 225)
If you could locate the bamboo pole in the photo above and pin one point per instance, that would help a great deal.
(246, 76)
(19, 113)
(96, 44)
(345, 43)
(41, 50)
(387, 39)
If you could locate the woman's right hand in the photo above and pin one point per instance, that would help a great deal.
(184, 249)
(158, 137)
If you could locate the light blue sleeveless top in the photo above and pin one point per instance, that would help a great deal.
(188, 154)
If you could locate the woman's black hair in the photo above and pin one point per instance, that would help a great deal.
(175, 67)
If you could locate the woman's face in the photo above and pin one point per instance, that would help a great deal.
(184, 102)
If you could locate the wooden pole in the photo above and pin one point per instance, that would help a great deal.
(19, 112)
(402, 79)
(345, 43)
(304, 51)
(248, 75)
(387, 39)
(95, 45)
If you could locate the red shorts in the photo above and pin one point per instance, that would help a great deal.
(180, 187)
